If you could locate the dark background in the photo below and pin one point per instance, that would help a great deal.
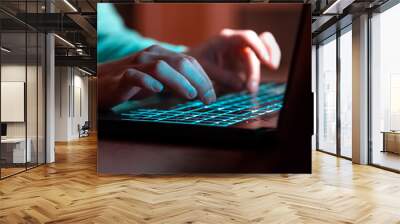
(191, 24)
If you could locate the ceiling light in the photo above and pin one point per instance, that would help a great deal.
(337, 7)
(70, 5)
(79, 51)
(65, 41)
(84, 71)
(5, 50)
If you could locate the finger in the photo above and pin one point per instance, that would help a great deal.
(273, 48)
(166, 74)
(252, 68)
(248, 38)
(193, 71)
(133, 77)
(148, 55)
(189, 68)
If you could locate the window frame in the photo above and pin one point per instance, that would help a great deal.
(378, 10)
(335, 36)
(27, 29)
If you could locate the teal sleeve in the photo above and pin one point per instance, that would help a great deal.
(115, 40)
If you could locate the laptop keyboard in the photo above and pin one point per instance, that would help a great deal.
(228, 110)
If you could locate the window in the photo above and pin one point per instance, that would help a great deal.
(327, 96)
(335, 74)
(14, 151)
(346, 92)
(385, 89)
(314, 90)
(22, 77)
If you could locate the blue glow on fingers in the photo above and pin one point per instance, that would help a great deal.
(175, 80)
(192, 93)
(193, 74)
(157, 86)
(200, 81)
(209, 97)
(152, 84)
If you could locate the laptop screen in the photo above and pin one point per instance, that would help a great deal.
(242, 52)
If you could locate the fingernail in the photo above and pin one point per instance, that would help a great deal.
(192, 93)
(157, 87)
(253, 86)
(209, 97)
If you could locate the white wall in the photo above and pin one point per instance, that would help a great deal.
(62, 82)
(80, 103)
(71, 94)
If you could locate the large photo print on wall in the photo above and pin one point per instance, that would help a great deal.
(204, 88)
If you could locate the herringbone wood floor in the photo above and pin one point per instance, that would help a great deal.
(70, 191)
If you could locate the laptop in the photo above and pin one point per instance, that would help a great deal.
(278, 117)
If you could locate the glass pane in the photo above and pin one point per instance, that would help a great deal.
(32, 97)
(22, 63)
(32, 87)
(346, 94)
(314, 86)
(385, 114)
(13, 86)
(327, 96)
(41, 98)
